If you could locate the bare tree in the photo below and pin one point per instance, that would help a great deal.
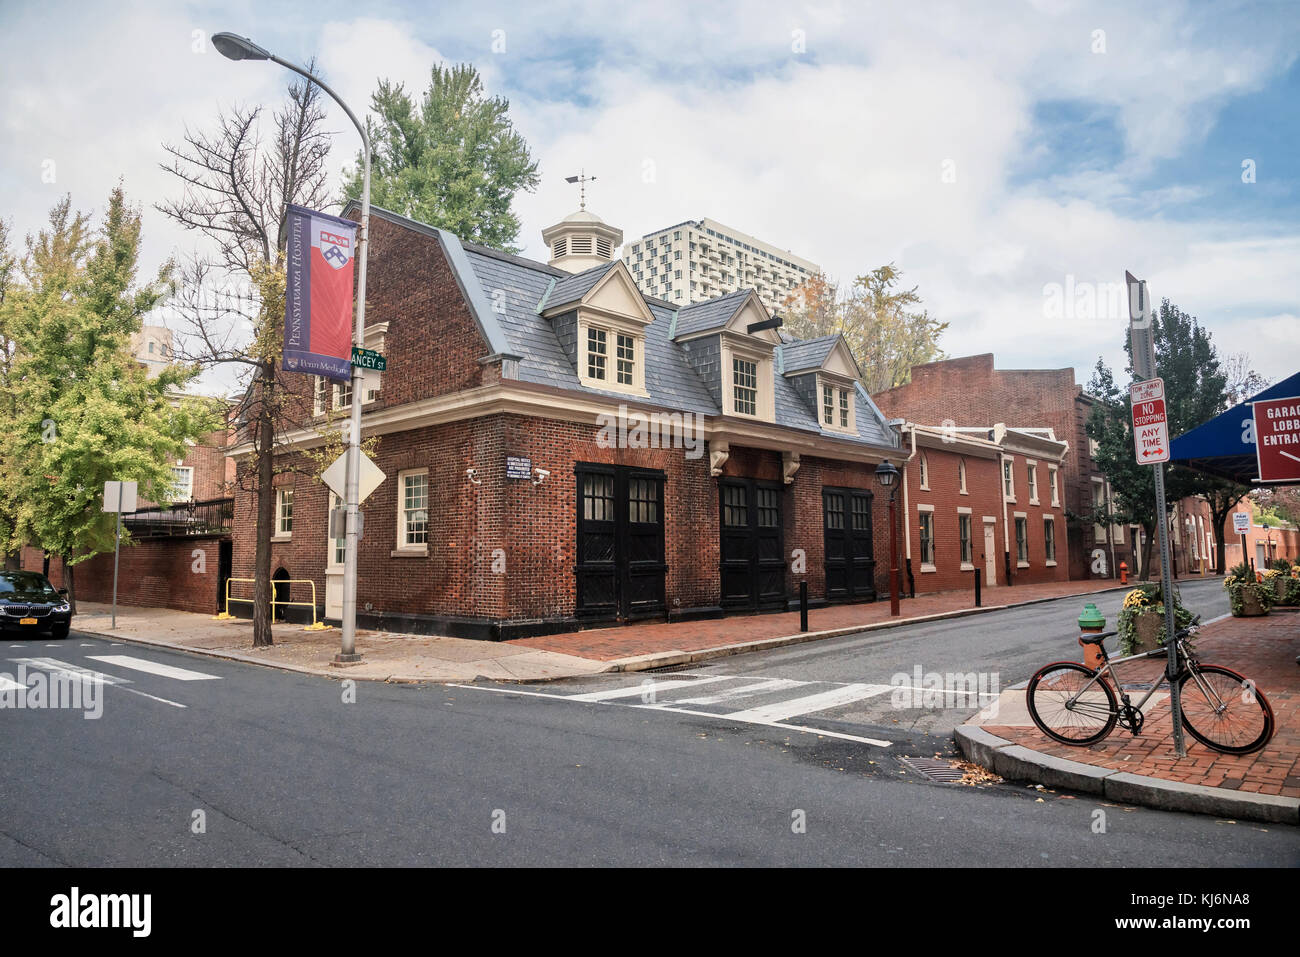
(231, 304)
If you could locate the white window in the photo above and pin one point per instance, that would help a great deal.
(828, 405)
(626, 360)
(967, 546)
(319, 392)
(342, 395)
(924, 469)
(844, 408)
(1051, 478)
(744, 378)
(413, 510)
(925, 523)
(1022, 540)
(961, 476)
(283, 512)
(182, 483)
(1049, 539)
(337, 546)
(1008, 481)
(1033, 483)
(1098, 510)
(597, 353)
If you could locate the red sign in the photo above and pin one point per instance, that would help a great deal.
(1150, 424)
(1277, 439)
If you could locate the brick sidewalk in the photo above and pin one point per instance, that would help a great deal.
(607, 644)
(1263, 649)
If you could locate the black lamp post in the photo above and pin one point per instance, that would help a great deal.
(887, 475)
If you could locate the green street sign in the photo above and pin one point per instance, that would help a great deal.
(369, 359)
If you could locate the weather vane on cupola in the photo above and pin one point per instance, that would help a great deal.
(582, 181)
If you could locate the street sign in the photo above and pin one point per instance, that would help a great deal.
(1241, 523)
(336, 477)
(1277, 439)
(1150, 423)
(119, 496)
(1139, 326)
(369, 359)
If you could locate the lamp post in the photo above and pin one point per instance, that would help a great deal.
(887, 474)
(241, 48)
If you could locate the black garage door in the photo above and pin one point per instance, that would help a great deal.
(620, 570)
(850, 563)
(753, 553)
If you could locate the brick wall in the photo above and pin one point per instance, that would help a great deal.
(180, 573)
(944, 494)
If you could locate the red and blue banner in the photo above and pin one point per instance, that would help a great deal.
(318, 294)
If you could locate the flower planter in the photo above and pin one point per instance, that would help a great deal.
(1149, 627)
(1251, 606)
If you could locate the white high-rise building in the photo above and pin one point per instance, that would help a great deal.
(702, 259)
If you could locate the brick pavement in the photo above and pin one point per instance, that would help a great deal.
(607, 644)
(1263, 649)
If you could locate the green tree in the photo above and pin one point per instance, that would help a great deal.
(86, 411)
(1196, 390)
(879, 321)
(454, 161)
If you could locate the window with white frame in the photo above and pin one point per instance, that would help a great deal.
(1098, 510)
(828, 405)
(744, 384)
(926, 521)
(844, 408)
(320, 391)
(337, 545)
(626, 360)
(1049, 539)
(597, 353)
(1008, 481)
(1022, 540)
(182, 489)
(924, 469)
(413, 509)
(961, 476)
(964, 532)
(342, 395)
(1032, 473)
(284, 512)
(1051, 478)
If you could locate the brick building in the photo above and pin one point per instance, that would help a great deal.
(986, 498)
(560, 450)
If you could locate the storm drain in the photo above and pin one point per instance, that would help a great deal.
(934, 769)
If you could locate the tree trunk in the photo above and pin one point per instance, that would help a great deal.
(70, 583)
(1146, 553)
(1219, 516)
(265, 453)
(45, 565)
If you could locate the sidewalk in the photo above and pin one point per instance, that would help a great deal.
(396, 657)
(1144, 769)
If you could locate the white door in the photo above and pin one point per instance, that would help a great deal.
(990, 555)
(333, 595)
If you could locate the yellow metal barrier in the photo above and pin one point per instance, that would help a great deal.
(315, 624)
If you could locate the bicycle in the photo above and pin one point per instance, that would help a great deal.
(1076, 705)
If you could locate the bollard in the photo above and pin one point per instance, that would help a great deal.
(1091, 622)
(803, 606)
(1123, 573)
(977, 588)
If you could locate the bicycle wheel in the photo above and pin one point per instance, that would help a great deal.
(1234, 717)
(1088, 719)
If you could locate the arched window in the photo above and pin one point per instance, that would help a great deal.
(961, 476)
(925, 471)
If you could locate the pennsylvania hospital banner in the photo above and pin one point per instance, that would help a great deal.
(318, 294)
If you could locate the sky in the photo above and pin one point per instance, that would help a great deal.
(1012, 158)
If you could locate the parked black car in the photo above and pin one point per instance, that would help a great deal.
(30, 605)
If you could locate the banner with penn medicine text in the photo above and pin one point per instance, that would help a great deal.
(318, 294)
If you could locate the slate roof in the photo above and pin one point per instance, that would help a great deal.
(800, 354)
(506, 293)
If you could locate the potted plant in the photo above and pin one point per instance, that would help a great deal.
(1141, 623)
(1247, 597)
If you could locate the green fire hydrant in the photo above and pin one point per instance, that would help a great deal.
(1091, 622)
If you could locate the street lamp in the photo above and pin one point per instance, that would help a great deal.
(235, 47)
(886, 474)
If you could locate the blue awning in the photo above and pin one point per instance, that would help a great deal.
(1225, 445)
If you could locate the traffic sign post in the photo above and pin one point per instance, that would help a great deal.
(119, 497)
(1151, 443)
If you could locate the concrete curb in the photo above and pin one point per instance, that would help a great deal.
(1018, 763)
(647, 662)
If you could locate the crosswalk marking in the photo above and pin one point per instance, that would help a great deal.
(646, 688)
(809, 703)
(743, 691)
(75, 671)
(154, 668)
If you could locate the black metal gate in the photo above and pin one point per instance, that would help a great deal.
(849, 541)
(753, 553)
(620, 570)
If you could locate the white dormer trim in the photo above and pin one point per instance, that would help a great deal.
(842, 392)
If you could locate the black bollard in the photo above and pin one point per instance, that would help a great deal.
(803, 606)
(977, 588)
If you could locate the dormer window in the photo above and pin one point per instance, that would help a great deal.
(612, 355)
(744, 377)
(597, 352)
(626, 360)
(836, 407)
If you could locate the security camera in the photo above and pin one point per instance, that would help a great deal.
(472, 474)
(541, 476)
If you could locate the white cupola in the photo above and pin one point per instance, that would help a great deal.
(582, 239)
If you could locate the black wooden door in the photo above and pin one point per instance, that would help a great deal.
(850, 560)
(753, 553)
(620, 529)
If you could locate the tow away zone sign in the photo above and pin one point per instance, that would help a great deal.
(1150, 423)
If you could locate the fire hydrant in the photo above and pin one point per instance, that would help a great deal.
(1123, 573)
(1091, 622)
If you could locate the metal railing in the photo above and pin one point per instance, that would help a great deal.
(315, 623)
(210, 517)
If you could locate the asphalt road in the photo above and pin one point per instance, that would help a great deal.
(287, 769)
